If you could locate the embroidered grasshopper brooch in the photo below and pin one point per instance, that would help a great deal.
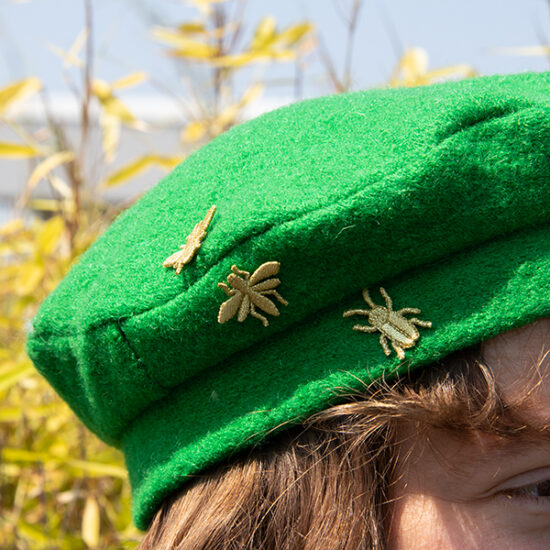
(391, 324)
(192, 244)
(249, 292)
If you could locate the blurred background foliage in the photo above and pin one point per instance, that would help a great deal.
(60, 487)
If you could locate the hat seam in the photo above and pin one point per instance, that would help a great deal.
(142, 365)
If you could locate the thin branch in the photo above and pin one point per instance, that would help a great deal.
(298, 80)
(85, 112)
(352, 26)
(61, 141)
(329, 65)
(219, 19)
(395, 41)
(238, 28)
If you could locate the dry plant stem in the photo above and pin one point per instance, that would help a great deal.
(85, 108)
(42, 484)
(168, 91)
(219, 19)
(329, 66)
(298, 79)
(342, 84)
(238, 28)
(396, 43)
(352, 26)
(62, 144)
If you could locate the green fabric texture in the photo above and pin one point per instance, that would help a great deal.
(439, 194)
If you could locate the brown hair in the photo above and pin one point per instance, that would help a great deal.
(325, 484)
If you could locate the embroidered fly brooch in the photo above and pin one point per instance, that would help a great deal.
(391, 324)
(249, 292)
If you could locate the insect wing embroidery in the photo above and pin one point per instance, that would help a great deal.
(391, 324)
(247, 292)
(192, 244)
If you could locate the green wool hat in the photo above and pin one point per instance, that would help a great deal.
(353, 235)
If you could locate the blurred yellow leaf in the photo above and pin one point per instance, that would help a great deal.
(225, 119)
(265, 33)
(17, 92)
(294, 34)
(43, 170)
(192, 28)
(50, 234)
(455, 71)
(11, 470)
(47, 165)
(61, 187)
(12, 414)
(110, 127)
(130, 80)
(412, 70)
(194, 131)
(12, 377)
(13, 226)
(9, 323)
(183, 45)
(237, 60)
(34, 533)
(112, 105)
(16, 150)
(229, 115)
(70, 58)
(95, 469)
(267, 45)
(29, 279)
(44, 204)
(90, 522)
(101, 89)
(137, 166)
(8, 271)
(412, 66)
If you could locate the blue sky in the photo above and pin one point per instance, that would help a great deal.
(452, 32)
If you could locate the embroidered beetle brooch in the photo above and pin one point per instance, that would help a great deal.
(250, 292)
(391, 324)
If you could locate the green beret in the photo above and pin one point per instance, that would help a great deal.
(353, 236)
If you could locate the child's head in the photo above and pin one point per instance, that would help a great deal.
(454, 456)
(314, 346)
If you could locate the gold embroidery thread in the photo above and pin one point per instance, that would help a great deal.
(247, 292)
(192, 244)
(391, 324)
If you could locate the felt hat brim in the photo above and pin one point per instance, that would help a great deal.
(468, 297)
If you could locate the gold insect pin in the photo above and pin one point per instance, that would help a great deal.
(192, 244)
(249, 292)
(391, 324)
